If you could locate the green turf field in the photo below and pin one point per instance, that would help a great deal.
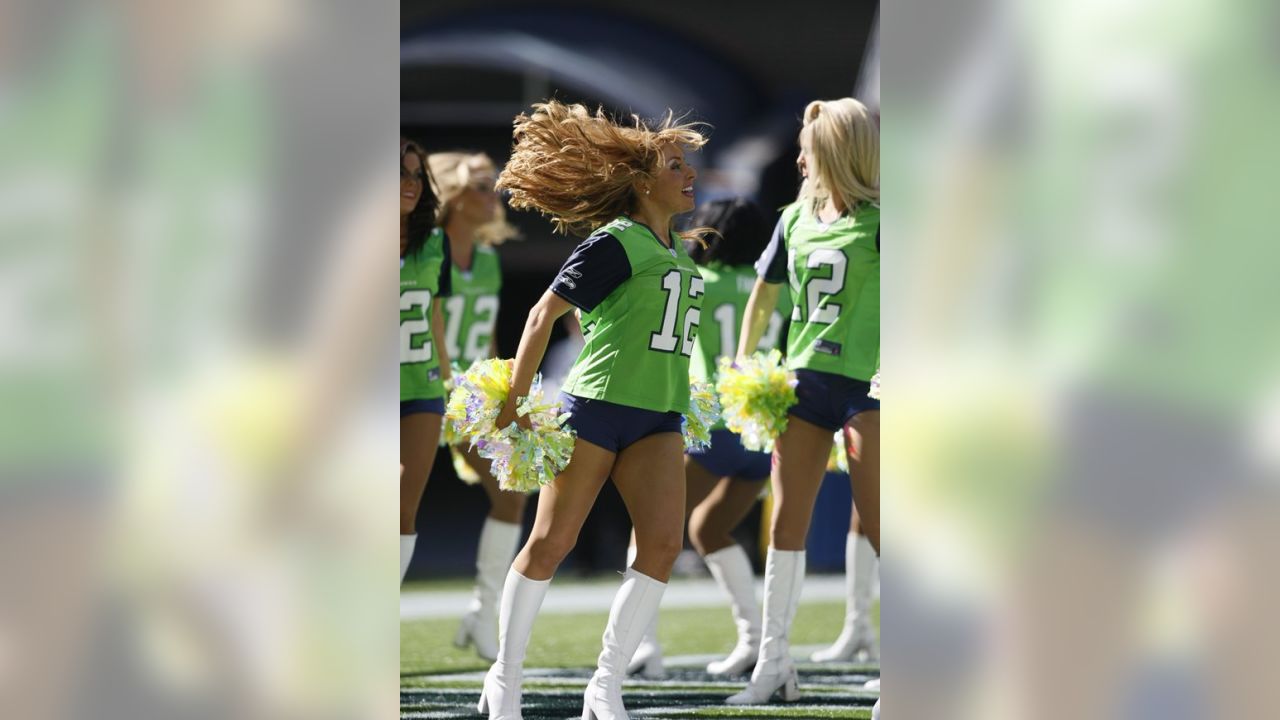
(440, 681)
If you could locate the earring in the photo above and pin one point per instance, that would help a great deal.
(646, 191)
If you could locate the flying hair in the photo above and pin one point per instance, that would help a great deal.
(581, 169)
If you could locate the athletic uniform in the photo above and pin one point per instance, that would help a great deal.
(833, 271)
(727, 290)
(424, 276)
(471, 313)
(640, 305)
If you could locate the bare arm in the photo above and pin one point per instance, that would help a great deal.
(437, 334)
(533, 345)
(764, 298)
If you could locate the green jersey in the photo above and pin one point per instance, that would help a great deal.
(833, 271)
(640, 304)
(471, 314)
(424, 276)
(727, 290)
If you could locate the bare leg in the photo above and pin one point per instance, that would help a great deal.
(712, 521)
(419, 439)
(799, 462)
(563, 505)
(862, 435)
(649, 475)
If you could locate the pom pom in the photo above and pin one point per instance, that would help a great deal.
(523, 460)
(755, 397)
(449, 434)
(462, 468)
(839, 459)
(704, 411)
(477, 398)
(875, 386)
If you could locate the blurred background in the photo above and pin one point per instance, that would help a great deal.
(467, 69)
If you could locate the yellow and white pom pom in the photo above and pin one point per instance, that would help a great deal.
(523, 460)
(704, 412)
(755, 397)
(477, 398)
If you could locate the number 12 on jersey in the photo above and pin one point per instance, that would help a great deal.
(665, 339)
(810, 301)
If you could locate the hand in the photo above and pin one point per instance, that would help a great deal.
(508, 415)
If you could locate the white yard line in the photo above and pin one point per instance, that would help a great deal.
(577, 598)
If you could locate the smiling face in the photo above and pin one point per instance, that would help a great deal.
(413, 179)
(672, 188)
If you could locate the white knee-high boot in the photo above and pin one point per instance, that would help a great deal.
(732, 570)
(498, 544)
(407, 543)
(647, 660)
(634, 607)
(775, 672)
(858, 640)
(521, 600)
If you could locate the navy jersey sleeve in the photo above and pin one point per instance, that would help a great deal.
(446, 273)
(596, 268)
(772, 265)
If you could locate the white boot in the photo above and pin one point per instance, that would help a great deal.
(858, 640)
(521, 600)
(498, 545)
(775, 672)
(875, 711)
(406, 553)
(647, 662)
(635, 605)
(732, 570)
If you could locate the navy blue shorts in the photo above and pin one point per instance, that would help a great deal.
(727, 458)
(413, 407)
(612, 426)
(829, 401)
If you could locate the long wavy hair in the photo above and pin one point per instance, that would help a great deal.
(581, 169)
(452, 173)
(422, 219)
(844, 144)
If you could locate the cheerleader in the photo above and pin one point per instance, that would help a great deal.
(473, 222)
(424, 363)
(827, 246)
(724, 480)
(639, 296)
